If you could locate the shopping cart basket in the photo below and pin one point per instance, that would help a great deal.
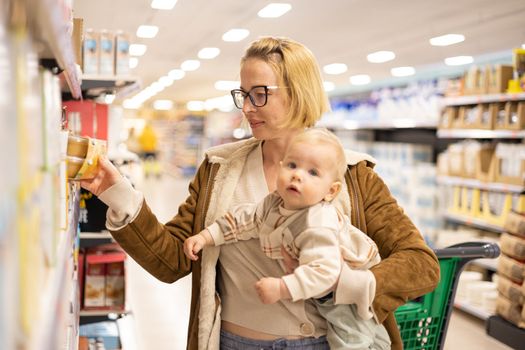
(423, 323)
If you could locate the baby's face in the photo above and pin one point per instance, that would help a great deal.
(307, 175)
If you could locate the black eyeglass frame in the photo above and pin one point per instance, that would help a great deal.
(244, 94)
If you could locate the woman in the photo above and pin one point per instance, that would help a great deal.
(281, 94)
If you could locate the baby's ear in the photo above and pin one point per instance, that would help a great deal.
(333, 191)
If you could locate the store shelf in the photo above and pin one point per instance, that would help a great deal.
(472, 310)
(472, 183)
(485, 98)
(106, 313)
(106, 81)
(49, 26)
(475, 222)
(53, 297)
(480, 134)
(405, 123)
(506, 332)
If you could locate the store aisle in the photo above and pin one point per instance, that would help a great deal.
(161, 311)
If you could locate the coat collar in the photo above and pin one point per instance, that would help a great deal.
(239, 149)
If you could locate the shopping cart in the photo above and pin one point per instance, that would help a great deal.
(423, 323)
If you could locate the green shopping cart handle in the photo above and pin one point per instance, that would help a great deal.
(469, 250)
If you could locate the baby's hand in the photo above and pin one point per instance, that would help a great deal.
(193, 245)
(269, 289)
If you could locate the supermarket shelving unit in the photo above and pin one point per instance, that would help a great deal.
(496, 326)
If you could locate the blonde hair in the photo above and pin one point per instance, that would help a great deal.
(297, 70)
(323, 136)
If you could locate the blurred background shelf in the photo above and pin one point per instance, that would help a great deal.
(478, 223)
(489, 186)
(480, 134)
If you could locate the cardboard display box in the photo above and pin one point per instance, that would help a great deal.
(105, 277)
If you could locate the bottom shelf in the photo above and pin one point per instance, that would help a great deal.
(472, 310)
(506, 332)
(93, 316)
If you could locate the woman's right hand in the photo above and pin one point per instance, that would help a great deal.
(106, 176)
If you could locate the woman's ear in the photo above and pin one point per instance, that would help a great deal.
(334, 190)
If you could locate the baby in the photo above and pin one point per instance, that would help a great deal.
(300, 218)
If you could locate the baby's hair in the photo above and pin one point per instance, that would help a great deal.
(324, 136)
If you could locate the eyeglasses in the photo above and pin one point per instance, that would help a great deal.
(258, 95)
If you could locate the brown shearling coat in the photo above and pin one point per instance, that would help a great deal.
(408, 268)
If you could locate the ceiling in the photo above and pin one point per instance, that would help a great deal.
(342, 31)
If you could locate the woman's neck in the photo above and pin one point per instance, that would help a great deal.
(273, 149)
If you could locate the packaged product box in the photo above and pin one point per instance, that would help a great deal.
(457, 122)
(487, 116)
(510, 290)
(509, 311)
(455, 159)
(90, 52)
(115, 284)
(449, 114)
(482, 82)
(510, 163)
(122, 54)
(442, 164)
(500, 116)
(107, 53)
(470, 117)
(472, 78)
(511, 268)
(95, 284)
(498, 78)
(485, 163)
(77, 37)
(515, 115)
(513, 246)
(515, 224)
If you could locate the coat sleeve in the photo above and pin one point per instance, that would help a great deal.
(409, 268)
(158, 247)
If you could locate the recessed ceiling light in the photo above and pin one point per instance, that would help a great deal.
(208, 53)
(328, 86)
(235, 34)
(165, 81)
(380, 56)
(163, 4)
(131, 104)
(176, 74)
(445, 40)
(156, 87)
(360, 79)
(458, 60)
(274, 10)
(147, 31)
(133, 62)
(137, 49)
(335, 68)
(226, 85)
(195, 106)
(402, 71)
(190, 65)
(162, 105)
